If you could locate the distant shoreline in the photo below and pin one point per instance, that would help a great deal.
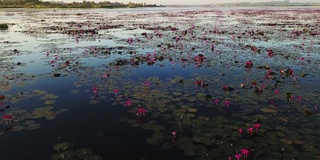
(251, 5)
(38, 4)
(55, 7)
(85, 4)
(168, 6)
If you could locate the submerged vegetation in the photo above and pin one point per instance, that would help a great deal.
(84, 4)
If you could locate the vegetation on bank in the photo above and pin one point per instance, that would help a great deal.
(108, 4)
(3, 26)
(83, 4)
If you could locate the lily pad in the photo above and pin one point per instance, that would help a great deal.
(84, 152)
(62, 146)
(192, 110)
(33, 126)
(268, 110)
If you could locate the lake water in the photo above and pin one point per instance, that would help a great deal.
(160, 83)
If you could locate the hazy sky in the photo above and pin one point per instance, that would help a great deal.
(188, 2)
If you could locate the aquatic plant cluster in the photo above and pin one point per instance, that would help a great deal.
(18, 119)
(65, 151)
(221, 83)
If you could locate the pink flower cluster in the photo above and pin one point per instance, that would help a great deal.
(199, 83)
(244, 153)
(141, 112)
(251, 130)
(249, 64)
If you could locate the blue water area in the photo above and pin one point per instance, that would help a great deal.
(96, 127)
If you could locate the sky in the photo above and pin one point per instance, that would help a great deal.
(185, 2)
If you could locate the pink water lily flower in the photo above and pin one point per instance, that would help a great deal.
(130, 40)
(94, 90)
(245, 152)
(225, 87)
(270, 52)
(128, 102)
(291, 98)
(256, 126)
(249, 64)
(116, 91)
(299, 99)
(250, 130)
(290, 71)
(227, 102)
(141, 112)
(7, 119)
(238, 156)
(199, 83)
(240, 130)
(216, 101)
(147, 83)
(174, 134)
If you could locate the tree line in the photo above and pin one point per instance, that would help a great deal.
(83, 4)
